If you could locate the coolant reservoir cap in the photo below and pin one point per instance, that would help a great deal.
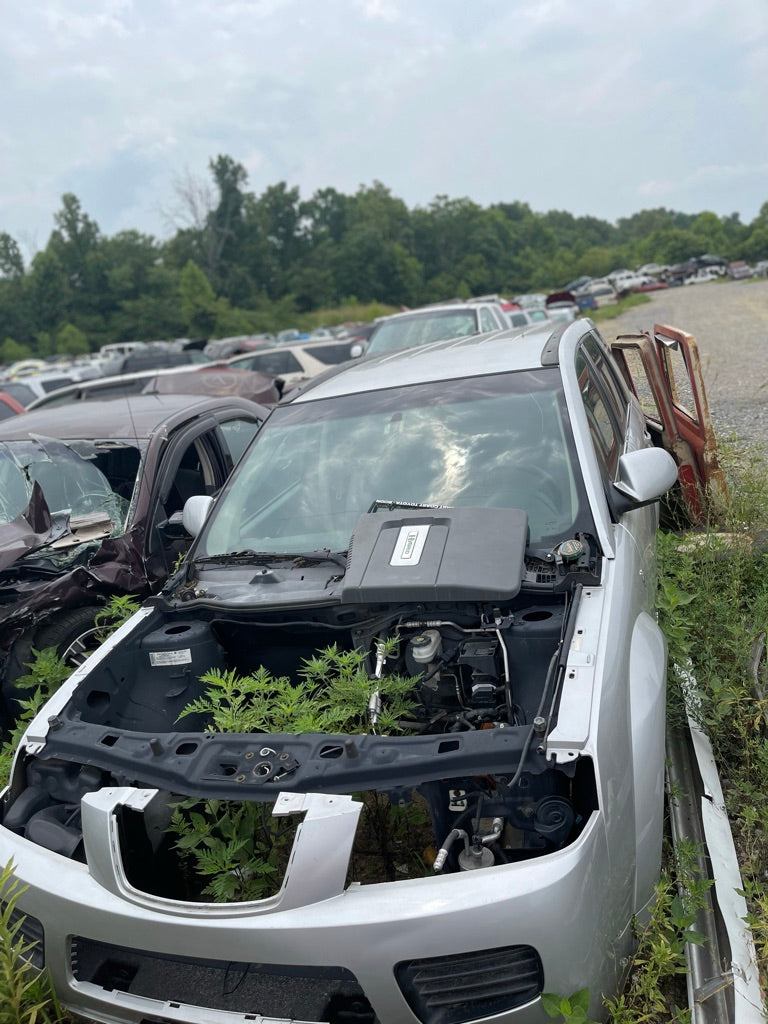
(570, 550)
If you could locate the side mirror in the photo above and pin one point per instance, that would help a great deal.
(356, 350)
(643, 477)
(195, 513)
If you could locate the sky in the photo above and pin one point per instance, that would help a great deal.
(597, 107)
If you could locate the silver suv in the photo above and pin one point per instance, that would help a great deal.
(459, 801)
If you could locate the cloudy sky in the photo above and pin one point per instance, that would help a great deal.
(601, 107)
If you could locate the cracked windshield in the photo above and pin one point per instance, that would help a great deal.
(495, 442)
(69, 478)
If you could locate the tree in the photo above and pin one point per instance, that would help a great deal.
(71, 341)
(49, 291)
(325, 217)
(74, 241)
(198, 302)
(11, 350)
(11, 260)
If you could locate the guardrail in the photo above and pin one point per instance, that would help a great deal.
(723, 980)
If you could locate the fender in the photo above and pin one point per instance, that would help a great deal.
(647, 709)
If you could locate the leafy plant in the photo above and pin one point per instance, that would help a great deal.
(239, 847)
(26, 994)
(659, 960)
(117, 610)
(713, 607)
(47, 671)
(334, 693)
(572, 1010)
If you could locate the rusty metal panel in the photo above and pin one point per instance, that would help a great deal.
(663, 369)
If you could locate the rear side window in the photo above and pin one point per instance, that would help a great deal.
(330, 355)
(55, 382)
(275, 362)
(20, 392)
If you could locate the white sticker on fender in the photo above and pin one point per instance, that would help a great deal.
(170, 657)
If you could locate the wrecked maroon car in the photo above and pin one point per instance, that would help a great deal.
(90, 507)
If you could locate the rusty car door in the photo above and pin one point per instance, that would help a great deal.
(663, 370)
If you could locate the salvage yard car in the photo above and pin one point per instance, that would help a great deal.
(471, 523)
(87, 492)
(433, 323)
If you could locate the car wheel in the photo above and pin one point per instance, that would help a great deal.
(72, 633)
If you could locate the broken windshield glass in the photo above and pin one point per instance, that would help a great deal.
(68, 476)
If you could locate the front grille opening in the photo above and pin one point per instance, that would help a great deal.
(207, 850)
(465, 986)
(329, 994)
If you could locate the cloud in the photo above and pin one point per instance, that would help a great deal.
(583, 107)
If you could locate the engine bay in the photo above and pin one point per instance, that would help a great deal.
(482, 695)
(434, 678)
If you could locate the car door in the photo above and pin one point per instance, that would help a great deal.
(663, 370)
(616, 428)
(197, 460)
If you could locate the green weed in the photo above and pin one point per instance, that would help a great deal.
(713, 607)
(117, 610)
(237, 848)
(573, 1009)
(26, 994)
(334, 693)
(47, 671)
(659, 963)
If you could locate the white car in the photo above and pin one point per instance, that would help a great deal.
(702, 276)
(526, 317)
(470, 525)
(293, 363)
(434, 323)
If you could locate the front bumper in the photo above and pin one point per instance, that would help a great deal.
(564, 905)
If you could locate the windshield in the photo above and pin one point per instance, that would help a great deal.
(315, 467)
(421, 329)
(69, 478)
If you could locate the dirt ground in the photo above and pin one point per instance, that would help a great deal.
(730, 322)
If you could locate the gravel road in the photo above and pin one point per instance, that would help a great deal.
(730, 322)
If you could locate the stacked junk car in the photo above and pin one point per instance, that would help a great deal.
(388, 746)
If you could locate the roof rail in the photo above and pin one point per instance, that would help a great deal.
(550, 354)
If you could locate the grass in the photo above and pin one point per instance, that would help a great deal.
(713, 606)
(349, 312)
(26, 996)
(611, 312)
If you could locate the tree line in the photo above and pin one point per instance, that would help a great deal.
(240, 263)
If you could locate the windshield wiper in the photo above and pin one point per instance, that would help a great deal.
(250, 557)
